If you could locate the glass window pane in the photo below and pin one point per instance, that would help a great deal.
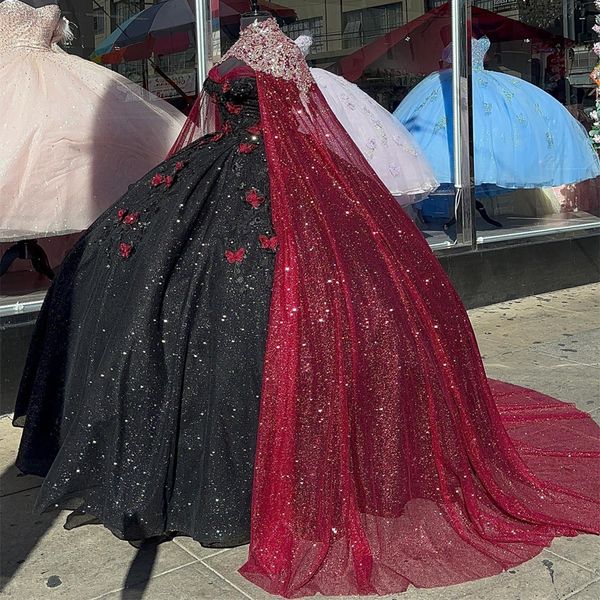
(536, 169)
(383, 51)
(103, 108)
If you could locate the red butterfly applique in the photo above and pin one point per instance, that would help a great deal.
(169, 181)
(157, 180)
(226, 87)
(179, 165)
(227, 129)
(254, 129)
(121, 213)
(268, 243)
(125, 249)
(233, 109)
(254, 198)
(131, 218)
(235, 256)
(245, 148)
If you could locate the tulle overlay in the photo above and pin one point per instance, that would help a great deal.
(386, 144)
(142, 385)
(382, 456)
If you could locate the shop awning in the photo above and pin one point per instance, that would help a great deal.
(232, 9)
(417, 46)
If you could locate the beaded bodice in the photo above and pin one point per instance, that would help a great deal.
(479, 49)
(266, 49)
(22, 26)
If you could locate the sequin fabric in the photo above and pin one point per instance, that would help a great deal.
(479, 49)
(141, 390)
(384, 456)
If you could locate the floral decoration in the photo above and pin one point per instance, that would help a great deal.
(254, 129)
(253, 198)
(246, 148)
(233, 109)
(131, 218)
(125, 249)
(157, 180)
(168, 180)
(227, 129)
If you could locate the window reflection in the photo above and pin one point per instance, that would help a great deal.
(535, 172)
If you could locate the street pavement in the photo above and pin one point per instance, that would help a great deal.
(549, 342)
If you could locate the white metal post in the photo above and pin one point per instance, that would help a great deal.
(462, 121)
(201, 53)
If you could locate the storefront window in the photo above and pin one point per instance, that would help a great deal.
(536, 89)
(535, 172)
(385, 49)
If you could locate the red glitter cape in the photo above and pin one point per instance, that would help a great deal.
(385, 456)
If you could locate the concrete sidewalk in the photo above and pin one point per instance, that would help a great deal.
(549, 342)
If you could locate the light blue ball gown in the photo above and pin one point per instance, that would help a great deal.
(523, 137)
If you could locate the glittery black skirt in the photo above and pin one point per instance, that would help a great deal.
(141, 391)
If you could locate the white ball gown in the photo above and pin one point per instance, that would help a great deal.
(387, 145)
(74, 134)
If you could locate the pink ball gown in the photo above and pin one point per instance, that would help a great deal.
(74, 134)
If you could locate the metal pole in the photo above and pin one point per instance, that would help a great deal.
(457, 58)
(569, 33)
(462, 119)
(201, 54)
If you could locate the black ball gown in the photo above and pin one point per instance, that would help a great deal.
(383, 456)
(150, 344)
